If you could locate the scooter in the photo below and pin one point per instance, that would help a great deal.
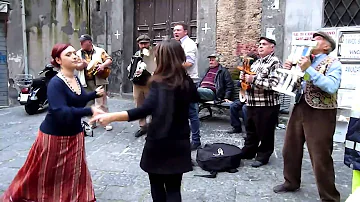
(33, 92)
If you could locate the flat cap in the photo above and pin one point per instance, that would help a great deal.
(214, 55)
(327, 37)
(268, 40)
(143, 39)
(85, 37)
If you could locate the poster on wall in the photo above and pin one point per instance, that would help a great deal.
(349, 45)
(350, 76)
(345, 98)
(301, 37)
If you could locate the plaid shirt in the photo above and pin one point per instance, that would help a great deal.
(261, 93)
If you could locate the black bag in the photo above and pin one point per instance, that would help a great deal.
(218, 157)
(143, 78)
(88, 131)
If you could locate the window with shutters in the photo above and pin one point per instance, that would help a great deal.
(340, 13)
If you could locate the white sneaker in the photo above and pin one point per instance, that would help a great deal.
(108, 127)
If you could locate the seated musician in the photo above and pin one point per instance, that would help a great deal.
(217, 83)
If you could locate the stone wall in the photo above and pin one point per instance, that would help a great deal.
(238, 28)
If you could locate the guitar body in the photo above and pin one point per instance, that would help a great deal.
(91, 71)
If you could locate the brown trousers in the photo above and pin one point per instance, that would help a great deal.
(139, 93)
(316, 127)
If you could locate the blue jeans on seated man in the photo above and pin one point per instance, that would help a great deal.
(206, 94)
(235, 115)
(194, 125)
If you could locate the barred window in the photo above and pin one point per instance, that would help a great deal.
(339, 13)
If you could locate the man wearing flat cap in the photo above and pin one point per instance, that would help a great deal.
(313, 120)
(140, 69)
(263, 104)
(94, 58)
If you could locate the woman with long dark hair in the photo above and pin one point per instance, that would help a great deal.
(55, 169)
(166, 155)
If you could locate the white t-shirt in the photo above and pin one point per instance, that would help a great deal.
(191, 53)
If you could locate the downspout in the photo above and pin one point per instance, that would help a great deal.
(23, 24)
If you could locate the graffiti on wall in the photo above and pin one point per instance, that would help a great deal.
(3, 58)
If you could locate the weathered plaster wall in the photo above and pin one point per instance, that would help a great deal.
(47, 23)
(51, 22)
(238, 28)
(304, 15)
(118, 33)
(206, 32)
(272, 23)
(14, 40)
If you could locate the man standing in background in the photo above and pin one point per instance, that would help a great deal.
(263, 105)
(140, 69)
(94, 56)
(190, 49)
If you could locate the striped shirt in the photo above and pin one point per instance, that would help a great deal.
(261, 93)
(209, 79)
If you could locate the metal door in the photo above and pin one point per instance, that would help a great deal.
(157, 17)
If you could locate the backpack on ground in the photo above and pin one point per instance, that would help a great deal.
(218, 157)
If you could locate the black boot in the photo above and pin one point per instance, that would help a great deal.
(140, 132)
(235, 130)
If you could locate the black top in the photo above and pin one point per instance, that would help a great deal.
(167, 147)
(66, 109)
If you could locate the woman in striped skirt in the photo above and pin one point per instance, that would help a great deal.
(55, 169)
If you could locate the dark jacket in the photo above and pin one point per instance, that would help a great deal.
(352, 156)
(167, 147)
(223, 83)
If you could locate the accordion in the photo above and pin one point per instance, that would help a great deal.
(141, 79)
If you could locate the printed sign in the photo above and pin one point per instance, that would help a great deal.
(345, 98)
(308, 35)
(350, 75)
(302, 37)
(349, 45)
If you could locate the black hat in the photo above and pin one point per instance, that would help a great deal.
(268, 40)
(85, 37)
(327, 38)
(143, 39)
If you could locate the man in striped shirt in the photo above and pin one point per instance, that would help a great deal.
(263, 105)
(217, 83)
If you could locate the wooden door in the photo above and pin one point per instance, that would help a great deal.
(156, 18)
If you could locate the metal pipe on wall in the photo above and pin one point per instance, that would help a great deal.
(23, 25)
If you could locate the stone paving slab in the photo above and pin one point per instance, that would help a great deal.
(113, 159)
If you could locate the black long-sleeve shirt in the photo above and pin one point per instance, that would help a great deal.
(66, 109)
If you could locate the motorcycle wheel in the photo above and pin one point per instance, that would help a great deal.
(32, 107)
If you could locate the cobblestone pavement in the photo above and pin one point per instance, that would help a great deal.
(113, 159)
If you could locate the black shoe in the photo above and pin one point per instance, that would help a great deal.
(257, 164)
(244, 155)
(140, 133)
(235, 130)
(195, 146)
(283, 189)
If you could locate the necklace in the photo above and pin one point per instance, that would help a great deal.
(68, 84)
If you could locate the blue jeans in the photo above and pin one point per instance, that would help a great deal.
(235, 115)
(206, 94)
(194, 122)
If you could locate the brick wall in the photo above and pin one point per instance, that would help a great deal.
(238, 28)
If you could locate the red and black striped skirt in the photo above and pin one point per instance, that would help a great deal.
(54, 171)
